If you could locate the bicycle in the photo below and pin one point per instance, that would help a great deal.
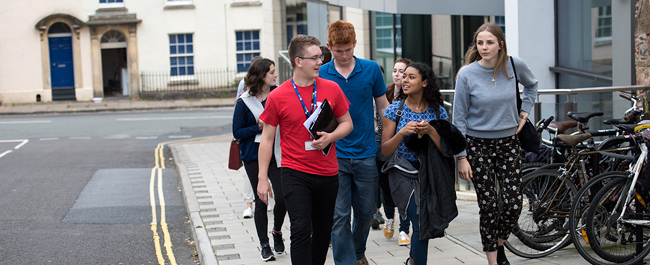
(542, 227)
(615, 219)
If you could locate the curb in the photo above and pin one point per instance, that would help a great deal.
(114, 109)
(201, 240)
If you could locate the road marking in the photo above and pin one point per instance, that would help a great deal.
(117, 137)
(80, 138)
(6, 152)
(146, 137)
(179, 136)
(174, 118)
(23, 122)
(156, 172)
(154, 218)
(49, 139)
(21, 141)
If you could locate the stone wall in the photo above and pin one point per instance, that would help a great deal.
(642, 62)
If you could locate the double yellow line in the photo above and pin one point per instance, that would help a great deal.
(156, 173)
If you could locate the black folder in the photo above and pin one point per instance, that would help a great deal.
(325, 122)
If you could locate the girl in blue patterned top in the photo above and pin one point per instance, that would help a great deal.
(422, 103)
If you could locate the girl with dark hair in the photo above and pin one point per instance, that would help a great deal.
(389, 207)
(485, 111)
(422, 103)
(247, 127)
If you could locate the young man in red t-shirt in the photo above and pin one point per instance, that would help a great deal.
(309, 178)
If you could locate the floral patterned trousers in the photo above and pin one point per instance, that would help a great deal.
(496, 175)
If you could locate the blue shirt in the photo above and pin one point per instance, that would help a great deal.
(409, 115)
(365, 83)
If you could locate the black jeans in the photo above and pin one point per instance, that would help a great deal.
(310, 202)
(279, 210)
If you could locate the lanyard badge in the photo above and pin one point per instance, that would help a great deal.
(313, 99)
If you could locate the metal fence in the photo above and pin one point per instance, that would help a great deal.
(161, 84)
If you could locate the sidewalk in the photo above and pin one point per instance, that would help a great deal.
(214, 199)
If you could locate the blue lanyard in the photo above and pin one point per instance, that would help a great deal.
(313, 98)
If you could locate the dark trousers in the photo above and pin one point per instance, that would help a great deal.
(496, 163)
(310, 201)
(279, 210)
(389, 205)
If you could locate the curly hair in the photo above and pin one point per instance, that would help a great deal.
(254, 79)
(298, 45)
(473, 54)
(430, 93)
(341, 33)
(390, 92)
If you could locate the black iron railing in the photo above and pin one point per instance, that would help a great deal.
(161, 84)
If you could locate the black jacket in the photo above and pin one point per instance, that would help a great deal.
(437, 177)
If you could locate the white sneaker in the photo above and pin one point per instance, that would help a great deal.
(248, 213)
(404, 239)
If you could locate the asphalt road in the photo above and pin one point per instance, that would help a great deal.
(79, 189)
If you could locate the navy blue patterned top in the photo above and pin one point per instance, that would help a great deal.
(409, 115)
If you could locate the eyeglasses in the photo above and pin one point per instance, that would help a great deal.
(315, 58)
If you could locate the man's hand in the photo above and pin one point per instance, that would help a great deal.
(323, 140)
(264, 190)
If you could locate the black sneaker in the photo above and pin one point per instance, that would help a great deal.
(278, 241)
(267, 254)
(376, 221)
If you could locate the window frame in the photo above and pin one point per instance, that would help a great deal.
(252, 52)
(185, 55)
(111, 5)
(603, 16)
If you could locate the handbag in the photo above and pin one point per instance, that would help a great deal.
(528, 136)
(234, 160)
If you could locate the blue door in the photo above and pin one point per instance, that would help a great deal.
(61, 69)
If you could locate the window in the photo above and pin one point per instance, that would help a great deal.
(111, 3)
(384, 30)
(501, 21)
(179, 2)
(604, 30)
(181, 50)
(248, 46)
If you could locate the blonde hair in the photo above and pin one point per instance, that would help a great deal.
(472, 53)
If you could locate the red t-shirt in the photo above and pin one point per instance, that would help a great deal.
(283, 108)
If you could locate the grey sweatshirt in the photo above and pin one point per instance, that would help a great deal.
(487, 109)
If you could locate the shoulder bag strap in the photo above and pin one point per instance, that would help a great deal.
(399, 114)
(516, 84)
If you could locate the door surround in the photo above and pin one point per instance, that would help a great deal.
(43, 26)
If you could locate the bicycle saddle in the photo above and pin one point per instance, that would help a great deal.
(618, 121)
(583, 117)
(573, 140)
(562, 126)
(626, 127)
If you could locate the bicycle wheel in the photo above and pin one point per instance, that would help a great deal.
(613, 241)
(542, 225)
(606, 164)
(578, 213)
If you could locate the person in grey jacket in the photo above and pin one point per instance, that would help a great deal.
(485, 111)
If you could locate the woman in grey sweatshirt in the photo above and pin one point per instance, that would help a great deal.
(485, 111)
